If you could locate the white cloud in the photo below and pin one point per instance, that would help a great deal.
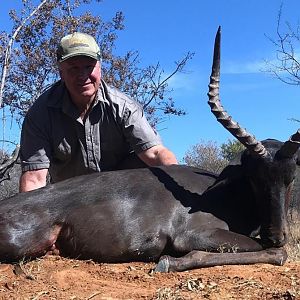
(243, 68)
(256, 66)
(188, 82)
(182, 81)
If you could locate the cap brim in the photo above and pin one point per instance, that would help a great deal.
(91, 55)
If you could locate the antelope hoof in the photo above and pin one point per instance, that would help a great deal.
(163, 265)
(280, 255)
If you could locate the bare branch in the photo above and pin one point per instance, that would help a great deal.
(179, 67)
(287, 66)
(9, 47)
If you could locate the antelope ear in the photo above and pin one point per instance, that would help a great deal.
(291, 147)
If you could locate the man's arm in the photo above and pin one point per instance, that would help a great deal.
(35, 148)
(157, 156)
(31, 180)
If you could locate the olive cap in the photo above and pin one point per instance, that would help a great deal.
(77, 44)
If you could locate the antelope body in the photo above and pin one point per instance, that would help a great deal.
(182, 217)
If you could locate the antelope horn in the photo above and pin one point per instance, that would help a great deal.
(222, 116)
(290, 147)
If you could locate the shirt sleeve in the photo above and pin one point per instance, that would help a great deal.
(137, 130)
(35, 146)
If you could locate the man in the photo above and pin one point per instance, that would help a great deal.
(80, 125)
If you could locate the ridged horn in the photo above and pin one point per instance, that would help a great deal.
(222, 116)
(290, 147)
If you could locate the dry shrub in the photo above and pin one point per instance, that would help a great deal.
(206, 155)
(293, 246)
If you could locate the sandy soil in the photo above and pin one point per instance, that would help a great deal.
(53, 277)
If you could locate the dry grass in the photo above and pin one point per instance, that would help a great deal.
(293, 246)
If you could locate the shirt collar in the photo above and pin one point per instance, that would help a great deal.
(59, 97)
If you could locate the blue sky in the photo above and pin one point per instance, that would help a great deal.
(164, 30)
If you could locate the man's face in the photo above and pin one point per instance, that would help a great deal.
(81, 75)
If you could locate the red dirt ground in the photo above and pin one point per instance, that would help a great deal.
(53, 277)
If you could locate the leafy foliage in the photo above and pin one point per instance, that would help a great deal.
(32, 63)
(211, 157)
(206, 155)
(230, 149)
